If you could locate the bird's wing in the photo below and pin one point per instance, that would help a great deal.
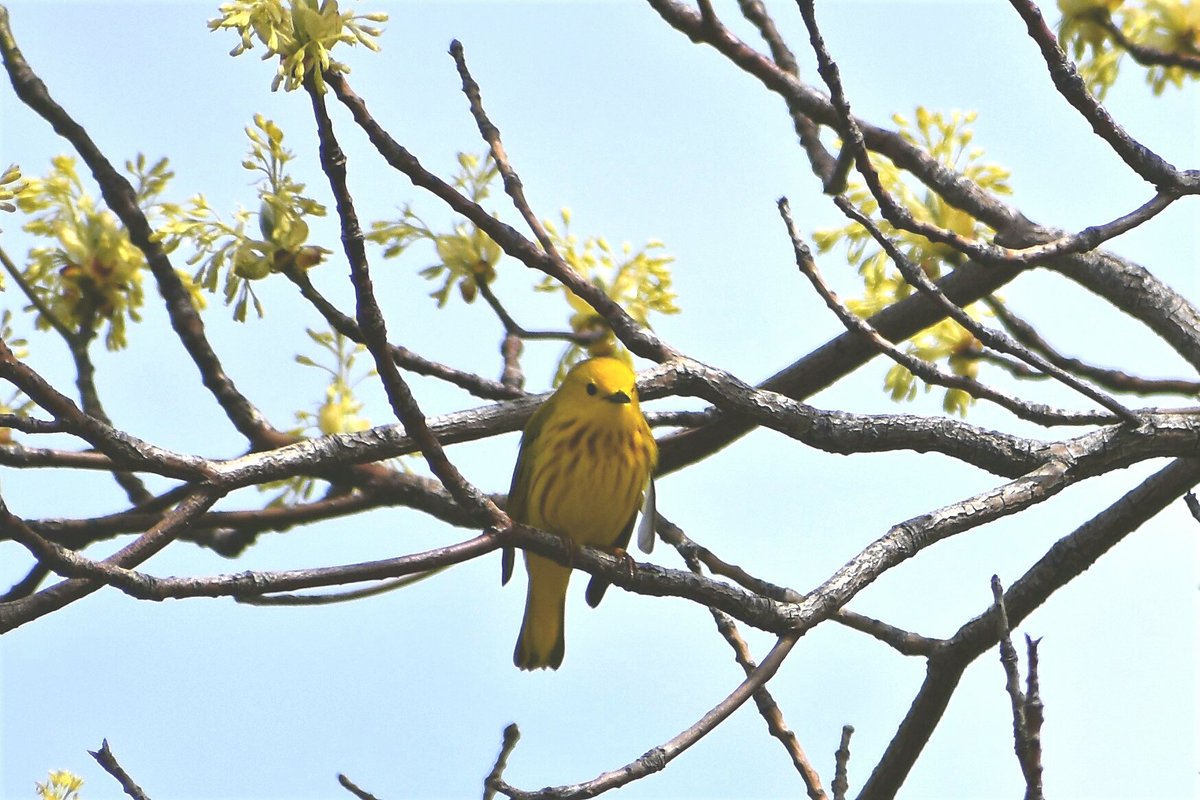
(518, 492)
(646, 526)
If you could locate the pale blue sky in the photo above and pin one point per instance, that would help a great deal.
(608, 111)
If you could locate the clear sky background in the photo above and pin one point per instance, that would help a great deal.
(608, 111)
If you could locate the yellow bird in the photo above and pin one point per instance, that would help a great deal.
(584, 468)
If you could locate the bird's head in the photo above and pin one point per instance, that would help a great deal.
(601, 383)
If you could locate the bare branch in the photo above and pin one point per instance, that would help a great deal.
(27, 585)
(988, 337)
(491, 134)
(121, 199)
(105, 758)
(824, 166)
(1034, 718)
(841, 778)
(1065, 560)
(957, 189)
(926, 371)
(1151, 167)
(511, 326)
(374, 329)
(904, 642)
(18, 612)
(1125, 285)
(1095, 235)
(350, 786)
(639, 340)
(1149, 56)
(767, 707)
(512, 735)
(123, 449)
(336, 597)
(402, 356)
(1012, 675)
(1026, 742)
(657, 759)
(1111, 379)
(30, 425)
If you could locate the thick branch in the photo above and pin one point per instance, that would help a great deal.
(1065, 560)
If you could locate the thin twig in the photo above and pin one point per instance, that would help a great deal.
(105, 758)
(673, 535)
(767, 707)
(350, 786)
(901, 217)
(121, 447)
(958, 189)
(986, 336)
(402, 356)
(371, 322)
(657, 759)
(26, 609)
(824, 166)
(121, 199)
(511, 326)
(925, 370)
(841, 764)
(35, 299)
(1150, 166)
(491, 134)
(639, 340)
(27, 585)
(77, 343)
(904, 642)
(25, 424)
(1149, 56)
(1064, 561)
(1012, 675)
(1093, 236)
(1111, 379)
(512, 734)
(1034, 717)
(336, 597)
(1026, 741)
(89, 398)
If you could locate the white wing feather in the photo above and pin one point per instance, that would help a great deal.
(645, 533)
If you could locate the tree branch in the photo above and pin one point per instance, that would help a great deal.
(657, 759)
(105, 758)
(374, 330)
(1065, 560)
(121, 199)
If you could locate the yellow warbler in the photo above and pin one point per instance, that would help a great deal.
(586, 459)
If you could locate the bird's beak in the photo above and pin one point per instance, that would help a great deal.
(617, 397)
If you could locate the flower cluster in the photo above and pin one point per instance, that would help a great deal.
(467, 256)
(301, 33)
(89, 273)
(227, 247)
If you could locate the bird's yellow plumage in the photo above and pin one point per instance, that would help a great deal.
(587, 456)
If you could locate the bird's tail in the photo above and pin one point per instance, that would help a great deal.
(541, 642)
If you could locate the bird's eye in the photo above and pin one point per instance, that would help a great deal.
(591, 388)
